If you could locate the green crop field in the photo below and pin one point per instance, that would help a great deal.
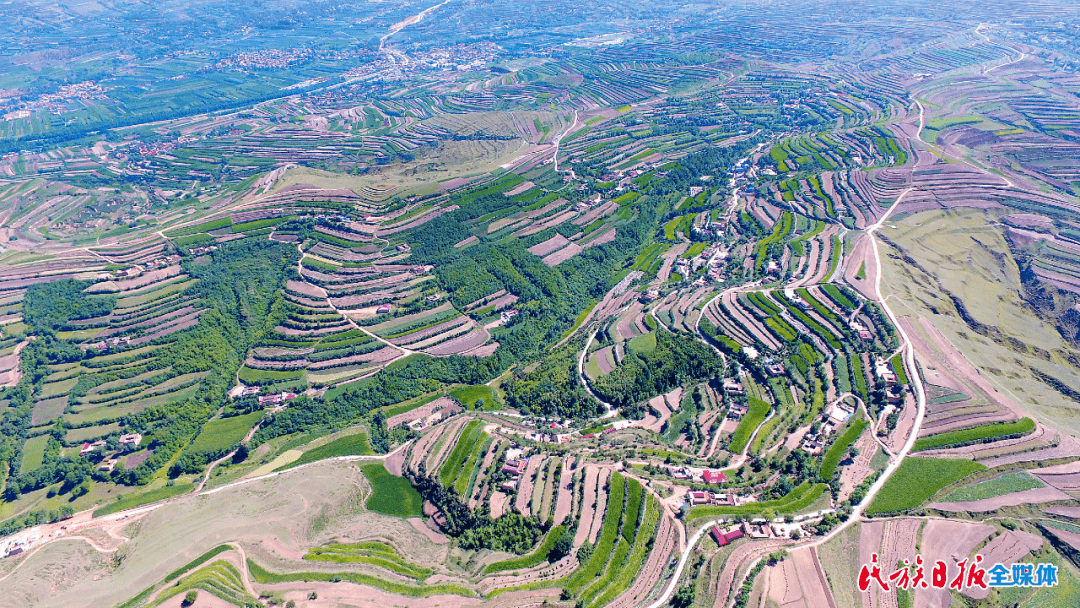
(669, 228)
(898, 368)
(195, 563)
(144, 498)
(266, 577)
(838, 296)
(632, 566)
(839, 447)
(918, 479)
(33, 453)
(350, 445)
(975, 434)
(223, 433)
(605, 544)
(998, 486)
(758, 410)
(614, 565)
(392, 495)
(469, 396)
(633, 507)
(645, 343)
(257, 377)
(374, 553)
(798, 499)
(480, 443)
(452, 467)
(694, 250)
(206, 227)
(220, 579)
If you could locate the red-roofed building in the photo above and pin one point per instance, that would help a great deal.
(277, 398)
(718, 536)
(514, 467)
(714, 477)
(736, 533)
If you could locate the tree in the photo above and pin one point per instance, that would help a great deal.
(562, 546)
(190, 598)
(584, 552)
(684, 597)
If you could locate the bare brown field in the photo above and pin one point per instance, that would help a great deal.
(1008, 547)
(985, 505)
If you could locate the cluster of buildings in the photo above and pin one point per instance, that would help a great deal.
(336, 219)
(164, 146)
(127, 443)
(722, 538)
(269, 59)
(113, 342)
(758, 529)
(698, 475)
(710, 227)
(837, 416)
(58, 102)
(20, 543)
(398, 65)
(712, 258)
(733, 386)
(276, 398)
(422, 423)
(137, 269)
(514, 466)
(705, 497)
(861, 330)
